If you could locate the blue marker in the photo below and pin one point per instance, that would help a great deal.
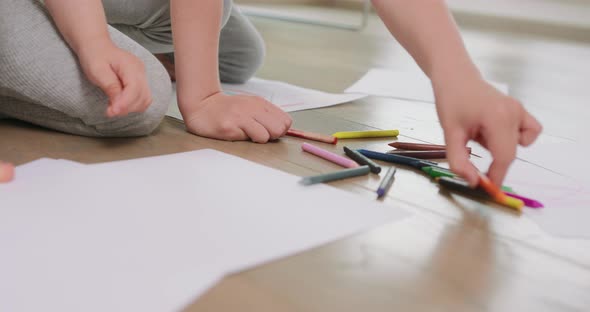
(386, 182)
(397, 159)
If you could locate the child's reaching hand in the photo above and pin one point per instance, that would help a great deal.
(237, 117)
(468, 107)
(119, 74)
(205, 109)
(474, 110)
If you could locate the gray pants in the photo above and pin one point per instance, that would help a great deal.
(41, 81)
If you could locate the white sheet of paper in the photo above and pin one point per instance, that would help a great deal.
(398, 84)
(32, 172)
(152, 234)
(288, 97)
(553, 170)
(567, 200)
(567, 157)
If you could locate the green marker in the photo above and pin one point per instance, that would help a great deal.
(338, 175)
(437, 172)
(508, 189)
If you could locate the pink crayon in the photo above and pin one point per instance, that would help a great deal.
(337, 159)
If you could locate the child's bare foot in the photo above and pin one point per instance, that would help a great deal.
(6, 172)
(165, 60)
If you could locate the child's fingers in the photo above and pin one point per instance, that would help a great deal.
(130, 92)
(230, 133)
(278, 114)
(458, 155)
(6, 172)
(273, 123)
(127, 101)
(288, 122)
(529, 130)
(255, 131)
(283, 117)
(106, 79)
(136, 95)
(502, 144)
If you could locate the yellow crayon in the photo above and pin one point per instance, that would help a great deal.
(366, 134)
(512, 202)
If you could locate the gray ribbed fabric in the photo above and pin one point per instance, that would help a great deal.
(42, 83)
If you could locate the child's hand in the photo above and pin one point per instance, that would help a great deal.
(120, 74)
(474, 110)
(237, 117)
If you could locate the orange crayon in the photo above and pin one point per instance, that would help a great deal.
(497, 194)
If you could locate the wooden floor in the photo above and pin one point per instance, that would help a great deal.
(453, 254)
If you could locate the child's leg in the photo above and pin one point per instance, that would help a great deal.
(241, 49)
(42, 83)
(148, 22)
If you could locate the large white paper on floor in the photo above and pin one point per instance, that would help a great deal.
(566, 199)
(561, 155)
(152, 234)
(398, 84)
(288, 97)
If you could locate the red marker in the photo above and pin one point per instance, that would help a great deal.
(435, 154)
(420, 146)
(312, 136)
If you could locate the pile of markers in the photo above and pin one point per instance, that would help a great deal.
(359, 162)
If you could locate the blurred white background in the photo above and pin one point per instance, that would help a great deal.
(561, 13)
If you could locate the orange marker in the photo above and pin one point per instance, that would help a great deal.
(312, 136)
(6, 172)
(497, 194)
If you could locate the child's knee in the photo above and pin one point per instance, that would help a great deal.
(20, 20)
(245, 62)
(241, 49)
(162, 96)
(135, 124)
(253, 59)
